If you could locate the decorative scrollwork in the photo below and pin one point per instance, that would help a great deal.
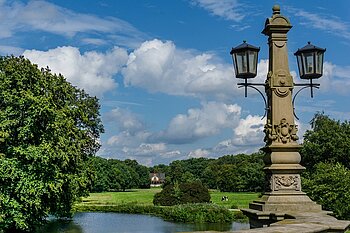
(282, 92)
(284, 132)
(286, 182)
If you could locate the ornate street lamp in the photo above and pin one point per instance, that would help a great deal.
(245, 61)
(310, 62)
(283, 195)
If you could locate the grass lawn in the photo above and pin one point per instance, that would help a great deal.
(241, 200)
(145, 196)
(139, 196)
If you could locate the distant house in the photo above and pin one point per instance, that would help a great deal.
(157, 179)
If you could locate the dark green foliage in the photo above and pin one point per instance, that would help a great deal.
(235, 173)
(187, 170)
(329, 185)
(326, 154)
(193, 192)
(328, 141)
(228, 173)
(167, 197)
(48, 131)
(116, 175)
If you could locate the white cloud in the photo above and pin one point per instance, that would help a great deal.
(335, 79)
(249, 131)
(328, 23)
(227, 9)
(149, 149)
(200, 123)
(125, 120)
(160, 67)
(199, 153)
(247, 137)
(16, 16)
(91, 71)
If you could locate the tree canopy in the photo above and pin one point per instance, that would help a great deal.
(48, 131)
(326, 155)
(230, 173)
(116, 175)
(327, 141)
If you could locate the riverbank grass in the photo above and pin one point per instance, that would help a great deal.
(140, 201)
(145, 197)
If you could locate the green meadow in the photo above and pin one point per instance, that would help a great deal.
(145, 197)
(140, 201)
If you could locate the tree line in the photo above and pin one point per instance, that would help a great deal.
(230, 173)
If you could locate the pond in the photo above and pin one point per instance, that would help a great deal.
(96, 222)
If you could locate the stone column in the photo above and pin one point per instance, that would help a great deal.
(282, 163)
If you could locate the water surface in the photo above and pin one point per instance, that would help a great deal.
(97, 222)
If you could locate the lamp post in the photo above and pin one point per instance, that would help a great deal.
(283, 194)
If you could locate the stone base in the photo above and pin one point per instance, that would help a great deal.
(277, 206)
(285, 202)
(294, 222)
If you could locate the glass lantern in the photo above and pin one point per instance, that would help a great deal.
(245, 60)
(310, 61)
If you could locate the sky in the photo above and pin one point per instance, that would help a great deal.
(162, 69)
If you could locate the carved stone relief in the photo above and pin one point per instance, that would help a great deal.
(284, 132)
(282, 182)
(290, 182)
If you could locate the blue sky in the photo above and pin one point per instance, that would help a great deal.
(162, 69)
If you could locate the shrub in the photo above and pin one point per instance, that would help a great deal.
(166, 197)
(193, 192)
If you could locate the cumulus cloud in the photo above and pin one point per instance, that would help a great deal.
(247, 137)
(248, 131)
(199, 153)
(91, 71)
(199, 123)
(160, 67)
(335, 79)
(155, 66)
(227, 9)
(125, 120)
(16, 16)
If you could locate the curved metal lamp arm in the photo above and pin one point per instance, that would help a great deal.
(304, 86)
(245, 84)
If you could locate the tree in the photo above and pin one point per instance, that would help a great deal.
(329, 185)
(235, 173)
(174, 194)
(143, 180)
(327, 141)
(49, 129)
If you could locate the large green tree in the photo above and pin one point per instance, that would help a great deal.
(48, 131)
(329, 185)
(326, 154)
(327, 141)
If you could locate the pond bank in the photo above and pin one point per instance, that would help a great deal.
(96, 222)
(192, 213)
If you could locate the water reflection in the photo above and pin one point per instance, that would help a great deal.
(61, 226)
(129, 223)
